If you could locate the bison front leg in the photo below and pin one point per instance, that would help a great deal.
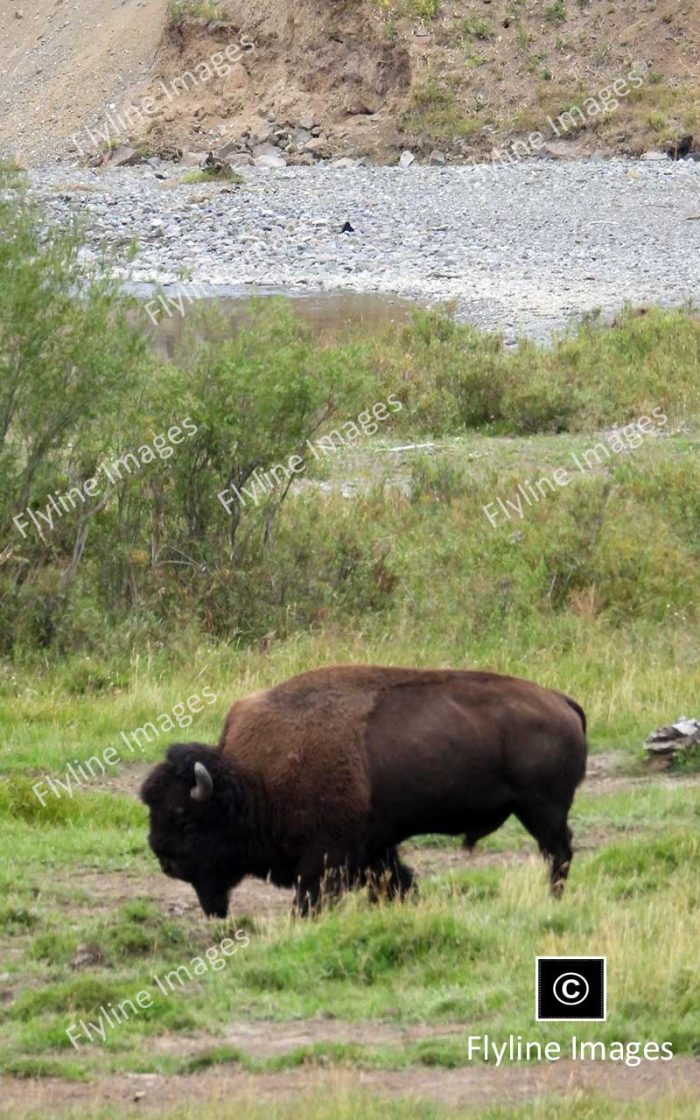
(320, 882)
(388, 877)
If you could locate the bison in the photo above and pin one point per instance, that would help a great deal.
(316, 781)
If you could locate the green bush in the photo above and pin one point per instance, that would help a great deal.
(452, 377)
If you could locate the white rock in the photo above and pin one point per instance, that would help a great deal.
(270, 159)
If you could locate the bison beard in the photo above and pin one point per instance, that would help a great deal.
(316, 782)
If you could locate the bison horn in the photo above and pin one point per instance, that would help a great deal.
(204, 788)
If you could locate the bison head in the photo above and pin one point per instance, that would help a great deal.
(195, 804)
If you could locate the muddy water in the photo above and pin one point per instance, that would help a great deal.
(328, 313)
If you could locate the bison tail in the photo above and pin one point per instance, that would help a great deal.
(582, 716)
(579, 712)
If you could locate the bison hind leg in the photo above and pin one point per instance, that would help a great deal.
(547, 822)
(387, 876)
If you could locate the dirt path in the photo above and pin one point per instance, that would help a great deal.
(61, 64)
(472, 1086)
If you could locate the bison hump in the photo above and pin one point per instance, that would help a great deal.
(306, 754)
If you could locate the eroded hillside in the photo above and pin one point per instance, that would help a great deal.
(320, 78)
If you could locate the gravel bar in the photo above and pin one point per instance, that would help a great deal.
(521, 248)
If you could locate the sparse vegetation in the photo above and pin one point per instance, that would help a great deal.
(526, 43)
(179, 11)
(411, 9)
(435, 113)
(556, 12)
(475, 27)
(224, 174)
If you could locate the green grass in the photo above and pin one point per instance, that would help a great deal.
(179, 11)
(338, 1100)
(560, 594)
(556, 12)
(435, 113)
(412, 9)
(472, 27)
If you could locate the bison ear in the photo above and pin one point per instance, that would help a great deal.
(203, 788)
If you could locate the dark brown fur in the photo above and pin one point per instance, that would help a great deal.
(317, 780)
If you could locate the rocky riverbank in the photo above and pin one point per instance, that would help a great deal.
(521, 247)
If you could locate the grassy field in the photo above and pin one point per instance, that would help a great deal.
(87, 920)
(462, 956)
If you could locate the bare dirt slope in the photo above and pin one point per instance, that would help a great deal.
(368, 76)
(375, 77)
(63, 61)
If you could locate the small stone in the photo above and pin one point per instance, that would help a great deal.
(652, 157)
(270, 160)
(192, 159)
(437, 159)
(407, 158)
(124, 156)
(238, 79)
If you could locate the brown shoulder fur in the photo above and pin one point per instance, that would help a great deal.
(302, 744)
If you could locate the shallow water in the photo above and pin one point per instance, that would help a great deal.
(329, 313)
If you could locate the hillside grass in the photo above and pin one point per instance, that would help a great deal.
(488, 77)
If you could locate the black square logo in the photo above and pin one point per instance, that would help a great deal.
(571, 988)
